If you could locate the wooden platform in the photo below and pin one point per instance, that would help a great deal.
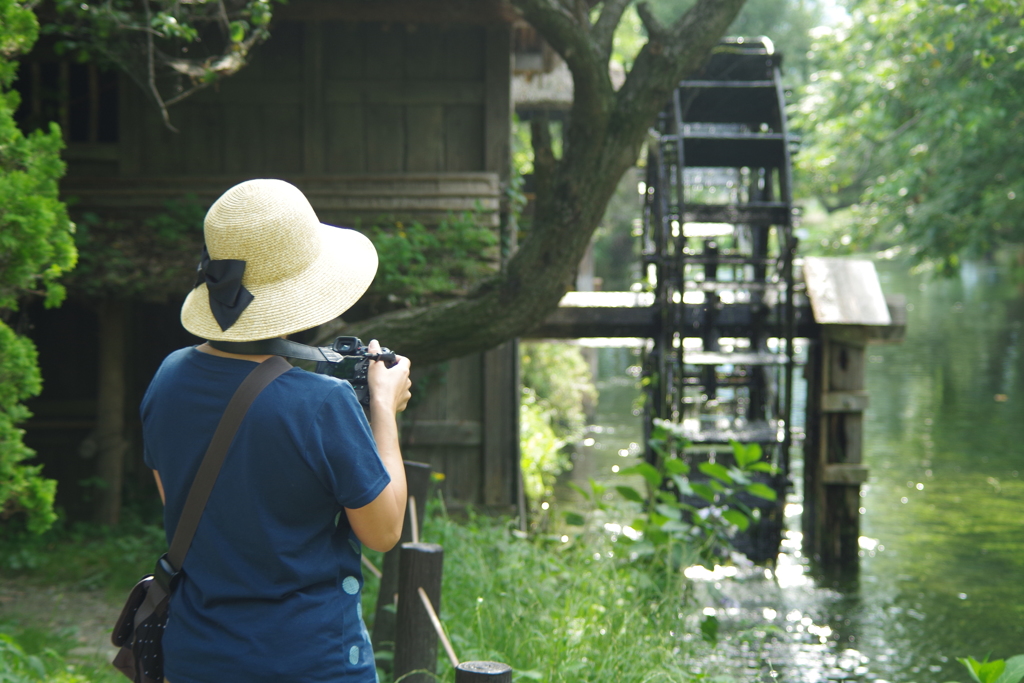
(628, 314)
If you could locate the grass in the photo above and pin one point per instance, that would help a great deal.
(555, 611)
(85, 556)
(561, 611)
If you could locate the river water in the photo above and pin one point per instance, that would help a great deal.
(942, 566)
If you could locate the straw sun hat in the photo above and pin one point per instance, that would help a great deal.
(271, 268)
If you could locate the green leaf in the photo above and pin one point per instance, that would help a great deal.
(676, 466)
(574, 519)
(715, 470)
(630, 493)
(683, 485)
(670, 511)
(741, 453)
(704, 491)
(647, 471)
(762, 491)
(579, 489)
(762, 467)
(657, 519)
(709, 629)
(238, 29)
(738, 518)
(1014, 671)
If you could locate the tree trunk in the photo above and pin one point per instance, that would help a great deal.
(110, 410)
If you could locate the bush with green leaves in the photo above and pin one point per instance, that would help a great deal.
(996, 671)
(914, 119)
(419, 262)
(556, 389)
(36, 248)
(668, 526)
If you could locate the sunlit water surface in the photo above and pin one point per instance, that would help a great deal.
(942, 567)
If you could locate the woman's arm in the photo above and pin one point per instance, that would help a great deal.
(160, 487)
(378, 525)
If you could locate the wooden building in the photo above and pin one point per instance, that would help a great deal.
(391, 108)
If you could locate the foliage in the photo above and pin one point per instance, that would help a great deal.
(36, 248)
(996, 671)
(418, 263)
(22, 488)
(681, 514)
(170, 49)
(915, 117)
(542, 456)
(557, 387)
(19, 664)
(85, 556)
(561, 378)
(152, 259)
(786, 22)
(561, 609)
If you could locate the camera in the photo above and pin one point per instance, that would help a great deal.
(348, 359)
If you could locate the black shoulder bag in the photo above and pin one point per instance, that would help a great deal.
(139, 629)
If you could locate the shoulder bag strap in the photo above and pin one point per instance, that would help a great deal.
(264, 373)
(170, 564)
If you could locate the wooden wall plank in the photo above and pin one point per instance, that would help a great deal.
(500, 459)
(282, 55)
(425, 53)
(254, 93)
(384, 126)
(243, 139)
(464, 138)
(129, 117)
(464, 53)
(346, 58)
(284, 139)
(424, 126)
(498, 101)
(403, 92)
(346, 140)
(385, 49)
(313, 132)
(164, 154)
(202, 138)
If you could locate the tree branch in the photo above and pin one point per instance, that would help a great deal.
(603, 32)
(571, 38)
(153, 90)
(655, 30)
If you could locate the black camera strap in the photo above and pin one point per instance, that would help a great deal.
(273, 347)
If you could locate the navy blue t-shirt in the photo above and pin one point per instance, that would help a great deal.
(272, 581)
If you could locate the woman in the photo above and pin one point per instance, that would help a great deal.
(270, 589)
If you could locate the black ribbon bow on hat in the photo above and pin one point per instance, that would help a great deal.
(223, 278)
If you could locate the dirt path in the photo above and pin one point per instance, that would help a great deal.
(84, 616)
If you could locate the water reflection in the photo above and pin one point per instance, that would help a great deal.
(942, 547)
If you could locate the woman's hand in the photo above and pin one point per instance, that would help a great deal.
(390, 388)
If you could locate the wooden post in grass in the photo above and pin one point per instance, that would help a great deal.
(415, 637)
(417, 476)
(483, 672)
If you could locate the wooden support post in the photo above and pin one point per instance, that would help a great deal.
(417, 476)
(483, 672)
(833, 459)
(501, 425)
(415, 638)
